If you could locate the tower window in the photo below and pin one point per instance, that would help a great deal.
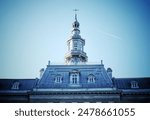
(91, 78)
(58, 79)
(75, 45)
(15, 86)
(134, 84)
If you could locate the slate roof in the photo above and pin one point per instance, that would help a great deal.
(98, 70)
(125, 83)
(119, 83)
(25, 84)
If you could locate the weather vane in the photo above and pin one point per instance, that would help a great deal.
(75, 10)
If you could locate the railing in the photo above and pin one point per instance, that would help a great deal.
(75, 52)
(87, 63)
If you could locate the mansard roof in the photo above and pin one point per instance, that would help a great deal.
(24, 84)
(119, 83)
(125, 83)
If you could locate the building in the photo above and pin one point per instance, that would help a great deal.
(75, 81)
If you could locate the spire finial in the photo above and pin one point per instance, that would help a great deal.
(101, 62)
(75, 10)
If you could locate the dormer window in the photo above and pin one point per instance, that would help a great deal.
(15, 86)
(58, 79)
(91, 78)
(74, 78)
(134, 84)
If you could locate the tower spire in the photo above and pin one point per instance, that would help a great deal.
(76, 54)
(75, 17)
(76, 23)
(75, 10)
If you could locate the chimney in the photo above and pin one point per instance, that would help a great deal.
(41, 72)
(109, 72)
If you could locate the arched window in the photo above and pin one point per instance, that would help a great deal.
(91, 78)
(74, 78)
(134, 84)
(58, 79)
(15, 86)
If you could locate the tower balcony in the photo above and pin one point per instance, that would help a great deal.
(75, 53)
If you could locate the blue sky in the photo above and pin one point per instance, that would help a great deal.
(35, 31)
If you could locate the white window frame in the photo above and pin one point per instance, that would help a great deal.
(15, 86)
(134, 84)
(74, 78)
(58, 79)
(91, 78)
